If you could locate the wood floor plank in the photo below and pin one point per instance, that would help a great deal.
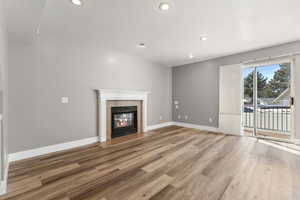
(165, 160)
(261, 178)
(295, 171)
(167, 193)
(56, 173)
(23, 186)
(151, 189)
(281, 178)
(242, 181)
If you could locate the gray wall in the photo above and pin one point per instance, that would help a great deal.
(196, 86)
(42, 72)
(3, 86)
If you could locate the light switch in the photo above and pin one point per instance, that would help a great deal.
(65, 100)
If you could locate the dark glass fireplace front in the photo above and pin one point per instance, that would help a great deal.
(124, 121)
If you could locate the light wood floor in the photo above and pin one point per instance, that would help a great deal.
(172, 163)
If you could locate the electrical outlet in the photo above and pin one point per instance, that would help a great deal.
(211, 120)
(160, 117)
(179, 117)
(186, 117)
(65, 100)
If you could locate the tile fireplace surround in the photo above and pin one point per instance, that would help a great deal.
(107, 98)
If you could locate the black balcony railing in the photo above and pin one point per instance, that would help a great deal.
(273, 118)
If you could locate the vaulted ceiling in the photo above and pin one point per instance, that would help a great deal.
(231, 26)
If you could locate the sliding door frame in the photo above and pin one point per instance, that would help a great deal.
(255, 65)
(255, 102)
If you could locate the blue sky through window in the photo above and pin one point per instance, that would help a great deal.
(268, 71)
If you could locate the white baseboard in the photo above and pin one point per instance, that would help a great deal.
(3, 184)
(297, 141)
(50, 149)
(195, 126)
(161, 125)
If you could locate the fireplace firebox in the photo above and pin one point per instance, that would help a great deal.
(124, 121)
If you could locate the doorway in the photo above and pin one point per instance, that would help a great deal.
(267, 101)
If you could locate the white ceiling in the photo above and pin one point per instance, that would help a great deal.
(232, 26)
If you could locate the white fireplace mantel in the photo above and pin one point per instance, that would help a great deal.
(105, 95)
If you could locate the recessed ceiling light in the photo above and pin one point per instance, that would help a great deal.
(142, 45)
(191, 56)
(77, 2)
(164, 6)
(203, 38)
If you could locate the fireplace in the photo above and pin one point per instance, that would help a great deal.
(123, 121)
(107, 99)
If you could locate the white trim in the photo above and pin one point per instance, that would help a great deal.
(195, 126)
(293, 94)
(161, 125)
(297, 141)
(106, 95)
(50, 149)
(268, 61)
(279, 147)
(230, 109)
(3, 184)
(4, 163)
(3, 187)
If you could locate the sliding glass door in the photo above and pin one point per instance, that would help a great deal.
(267, 110)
